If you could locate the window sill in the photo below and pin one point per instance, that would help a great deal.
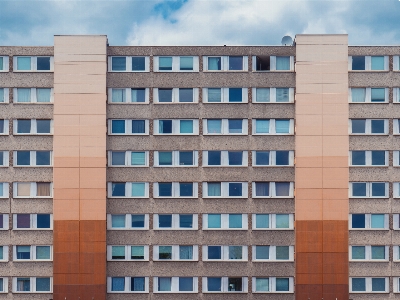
(123, 166)
(177, 166)
(127, 229)
(269, 229)
(127, 103)
(25, 103)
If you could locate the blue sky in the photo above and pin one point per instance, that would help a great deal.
(198, 22)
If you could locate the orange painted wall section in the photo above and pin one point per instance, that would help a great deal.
(80, 68)
(322, 173)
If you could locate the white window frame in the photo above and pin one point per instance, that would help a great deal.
(225, 95)
(33, 127)
(175, 253)
(368, 95)
(6, 128)
(6, 64)
(129, 64)
(396, 158)
(128, 221)
(368, 285)
(5, 186)
(396, 221)
(224, 285)
(368, 190)
(175, 190)
(368, 222)
(396, 95)
(175, 159)
(5, 222)
(225, 127)
(128, 190)
(396, 189)
(272, 128)
(5, 285)
(368, 127)
(225, 253)
(272, 286)
(128, 127)
(32, 285)
(396, 284)
(396, 129)
(5, 254)
(33, 223)
(225, 190)
(225, 222)
(225, 159)
(272, 222)
(33, 64)
(175, 285)
(33, 96)
(272, 94)
(128, 253)
(175, 96)
(128, 95)
(368, 63)
(368, 254)
(127, 287)
(272, 190)
(396, 64)
(272, 64)
(272, 254)
(32, 253)
(176, 127)
(175, 222)
(225, 63)
(33, 190)
(32, 155)
(368, 159)
(396, 252)
(6, 95)
(272, 158)
(128, 158)
(176, 63)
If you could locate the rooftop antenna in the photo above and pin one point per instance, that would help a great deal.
(287, 41)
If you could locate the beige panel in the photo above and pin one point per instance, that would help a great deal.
(309, 124)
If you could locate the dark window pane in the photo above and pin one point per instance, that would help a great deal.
(2, 126)
(377, 126)
(165, 158)
(262, 158)
(377, 95)
(262, 188)
(186, 63)
(282, 284)
(185, 95)
(165, 63)
(118, 63)
(1, 221)
(165, 189)
(138, 63)
(43, 221)
(214, 63)
(186, 189)
(282, 95)
(164, 221)
(43, 126)
(359, 189)
(378, 189)
(358, 221)
(43, 63)
(43, 284)
(138, 95)
(282, 252)
(186, 221)
(118, 126)
(358, 158)
(378, 158)
(235, 252)
(378, 252)
(235, 125)
(23, 221)
(357, 126)
(117, 284)
(165, 126)
(23, 252)
(164, 95)
(262, 252)
(282, 189)
(214, 158)
(186, 158)
(235, 189)
(165, 252)
(378, 284)
(43, 158)
(214, 252)
(118, 158)
(185, 284)
(214, 284)
(282, 158)
(235, 284)
(24, 126)
(358, 63)
(23, 158)
(235, 62)
(138, 221)
(137, 284)
(235, 95)
(138, 126)
(235, 158)
(118, 189)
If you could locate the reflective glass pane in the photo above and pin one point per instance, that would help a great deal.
(214, 189)
(359, 189)
(262, 221)
(282, 221)
(282, 252)
(282, 126)
(235, 189)
(263, 95)
(185, 95)
(235, 63)
(262, 158)
(43, 63)
(23, 95)
(23, 126)
(282, 95)
(282, 158)
(214, 95)
(282, 284)
(23, 252)
(138, 284)
(358, 95)
(378, 252)
(165, 252)
(138, 126)
(43, 221)
(186, 221)
(118, 63)
(235, 252)
(164, 95)
(214, 221)
(357, 126)
(186, 63)
(214, 63)
(165, 63)
(358, 158)
(185, 252)
(42, 284)
(262, 284)
(214, 252)
(186, 158)
(214, 284)
(165, 189)
(118, 95)
(118, 252)
(235, 95)
(262, 126)
(377, 95)
(2, 129)
(118, 221)
(235, 158)
(117, 284)
(378, 221)
(377, 126)
(23, 284)
(117, 126)
(138, 63)
(358, 252)
(165, 126)
(262, 189)
(378, 284)
(117, 158)
(186, 126)
(138, 158)
(118, 189)
(164, 284)
(214, 158)
(23, 63)
(282, 63)
(378, 189)
(358, 221)
(138, 189)
(235, 125)
(138, 95)
(282, 189)
(43, 126)
(43, 158)
(185, 284)
(378, 158)
(186, 189)
(377, 62)
(165, 158)
(262, 252)
(2, 95)
(165, 221)
(358, 63)
(214, 126)
(23, 158)
(137, 252)
(43, 95)
(137, 221)
(235, 221)
(42, 252)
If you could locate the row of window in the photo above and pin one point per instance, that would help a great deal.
(28, 64)
(27, 221)
(27, 189)
(27, 126)
(28, 253)
(27, 284)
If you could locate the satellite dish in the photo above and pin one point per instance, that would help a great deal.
(287, 41)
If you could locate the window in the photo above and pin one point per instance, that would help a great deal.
(273, 95)
(225, 158)
(33, 126)
(369, 189)
(176, 127)
(225, 284)
(369, 95)
(175, 190)
(396, 126)
(273, 285)
(369, 253)
(273, 63)
(273, 158)
(369, 158)
(128, 222)
(33, 63)
(4, 159)
(4, 61)
(175, 284)
(272, 221)
(369, 63)
(3, 284)
(32, 253)
(128, 95)
(369, 126)
(175, 253)
(176, 63)
(225, 221)
(3, 127)
(128, 158)
(32, 158)
(4, 95)
(32, 190)
(225, 126)
(128, 127)
(369, 221)
(227, 253)
(396, 63)
(369, 285)
(33, 95)
(4, 191)
(225, 95)
(123, 253)
(32, 221)
(127, 284)
(128, 64)
(175, 158)
(32, 284)
(3, 255)
(225, 63)
(4, 222)
(225, 189)
(272, 126)
(272, 189)
(128, 189)
(175, 221)
(176, 95)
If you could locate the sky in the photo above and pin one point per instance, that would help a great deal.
(198, 22)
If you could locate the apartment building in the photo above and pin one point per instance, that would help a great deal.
(207, 172)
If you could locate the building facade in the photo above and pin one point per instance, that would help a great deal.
(232, 172)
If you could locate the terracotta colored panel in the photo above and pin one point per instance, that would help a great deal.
(92, 162)
(336, 236)
(65, 178)
(335, 177)
(65, 146)
(309, 125)
(309, 241)
(309, 291)
(309, 162)
(336, 145)
(336, 291)
(336, 210)
(66, 194)
(308, 263)
(335, 161)
(66, 209)
(309, 209)
(309, 146)
(309, 178)
(335, 278)
(307, 278)
(92, 178)
(308, 194)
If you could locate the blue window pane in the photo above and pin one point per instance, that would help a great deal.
(235, 95)
(23, 63)
(164, 95)
(117, 284)
(186, 158)
(282, 158)
(165, 252)
(43, 284)
(214, 221)
(137, 221)
(138, 95)
(262, 158)
(186, 221)
(262, 188)
(214, 95)
(214, 63)
(165, 63)
(378, 189)
(359, 189)
(214, 189)
(165, 221)
(235, 284)
(138, 126)
(138, 189)
(282, 252)
(378, 158)
(282, 126)
(377, 62)
(118, 63)
(118, 126)
(378, 221)
(23, 158)
(235, 221)
(24, 126)
(138, 158)
(235, 252)
(235, 125)
(165, 189)
(214, 252)
(214, 284)
(185, 284)
(357, 126)
(282, 221)
(138, 63)
(263, 95)
(377, 95)
(377, 126)
(282, 63)
(358, 158)
(378, 284)
(137, 252)
(235, 158)
(358, 285)
(282, 284)
(262, 284)
(358, 95)
(186, 126)
(118, 189)
(185, 95)
(23, 284)
(262, 126)
(185, 252)
(43, 63)
(165, 158)
(23, 252)
(164, 284)
(262, 252)
(282, 189)
(235, 189)
(165, 126)
(358, 252)
(118, 252)
(186, 189)
(235, 63)
(137, 284)
(118, 221)
(358, 221)
(378, 252)
(262, 221)
(1, 285)
(43, 221)
(358, 63)
(42, 158)
(214, 126)
(214, 158)
(117, 158)
(43, 126)
(186, 63)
